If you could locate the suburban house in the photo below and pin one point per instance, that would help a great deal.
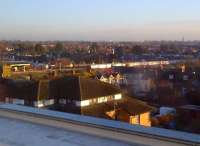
(101, 78)
(4, 92)
(73, 92)
(128, 110)
(94, 98)
(112, 78)
(28, 92)
(78, 95)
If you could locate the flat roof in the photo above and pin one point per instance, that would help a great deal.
(190, 107)
(20, 133)
(104, 132)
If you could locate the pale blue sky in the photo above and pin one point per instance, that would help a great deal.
(126, 20)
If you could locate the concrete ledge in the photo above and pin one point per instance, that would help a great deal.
(101, 127)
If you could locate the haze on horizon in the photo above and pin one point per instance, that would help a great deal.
(100, 20)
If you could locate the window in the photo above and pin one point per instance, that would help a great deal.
(85, 103)
(118, 96)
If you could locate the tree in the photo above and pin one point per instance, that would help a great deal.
(93, 48)
(2, 50)
(59, 47)
(119, 52)
(138, 50)
(58, 50)
(39, 49)
(2, 47)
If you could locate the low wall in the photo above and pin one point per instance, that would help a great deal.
(101, 127)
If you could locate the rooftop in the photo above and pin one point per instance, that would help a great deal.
(130, 106)
(23, 126)
(190, 107)
(72, 86)
(20, 133)
(80, 87)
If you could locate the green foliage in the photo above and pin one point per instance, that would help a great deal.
(39, 49)
(59, 46)
(30, 49)
(93, 48)
(58, 50)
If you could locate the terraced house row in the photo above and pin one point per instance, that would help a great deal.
(78, 95)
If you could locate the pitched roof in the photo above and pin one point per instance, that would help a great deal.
(22, 89)
(126, 106)
(80, 88)
(65, 87)
(135, 106)
(4, 90)
(90, 88)
(71, 87)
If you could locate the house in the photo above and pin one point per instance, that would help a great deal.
(117, 77)
(111, 78)
(79, 95)
(188, 117)
(72, 90)
(128, 110)
(142, 85)
(72, 93)
(94, 98)
(4, 92)
(28, 92)
(101, 78)
(9, 67)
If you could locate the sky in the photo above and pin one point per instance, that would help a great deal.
(99, 20)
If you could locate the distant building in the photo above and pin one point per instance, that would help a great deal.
(101, 78)
(9, 49)
(142, 85)
(10, 67)
(112, 78)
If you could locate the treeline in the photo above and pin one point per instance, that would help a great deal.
(38, 49)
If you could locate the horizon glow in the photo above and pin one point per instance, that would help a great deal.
(100, 20)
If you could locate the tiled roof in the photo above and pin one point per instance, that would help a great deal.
(77, 88)
(71, 87)
(130, 106)
(22, 89)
